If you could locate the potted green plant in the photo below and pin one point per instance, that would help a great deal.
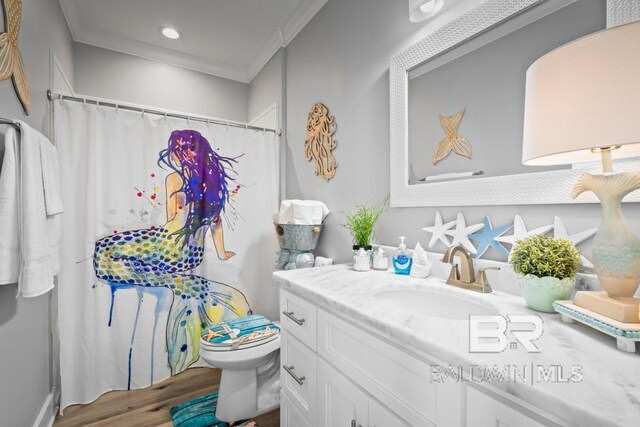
(546, 269)
(361, 224)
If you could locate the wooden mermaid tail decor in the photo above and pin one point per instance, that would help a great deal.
(616, 248)
(451, 141)
(319, 144)
(11, 65)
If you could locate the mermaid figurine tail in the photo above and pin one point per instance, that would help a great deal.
(616, 248)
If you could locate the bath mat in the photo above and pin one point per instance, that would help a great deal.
(200, 412)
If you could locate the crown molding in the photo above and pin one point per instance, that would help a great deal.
(279, 38)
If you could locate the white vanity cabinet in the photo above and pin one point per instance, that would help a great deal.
(337, 373)
(342, 403)
(484, 410)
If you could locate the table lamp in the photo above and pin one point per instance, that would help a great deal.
(583, 104)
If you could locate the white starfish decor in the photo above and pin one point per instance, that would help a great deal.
(560, 231)
(438, 230)
(460, 234)
(520, 232)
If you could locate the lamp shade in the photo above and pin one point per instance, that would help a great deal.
(584, 95)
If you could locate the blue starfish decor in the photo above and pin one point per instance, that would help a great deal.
(487, 237)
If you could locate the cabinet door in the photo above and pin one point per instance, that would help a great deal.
(380, 416)
(298, 374)
(484, 411)
(289, 414)
(340, 402)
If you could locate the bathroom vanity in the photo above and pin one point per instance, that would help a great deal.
(377, 349)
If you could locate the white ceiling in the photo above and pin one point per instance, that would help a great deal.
(228, 38)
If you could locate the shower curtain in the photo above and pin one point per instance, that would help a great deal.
(167, 229)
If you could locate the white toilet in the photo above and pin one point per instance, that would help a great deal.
(250, 383)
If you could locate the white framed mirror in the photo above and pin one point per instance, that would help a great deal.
(472, 72)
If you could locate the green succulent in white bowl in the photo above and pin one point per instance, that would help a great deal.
(546, 269)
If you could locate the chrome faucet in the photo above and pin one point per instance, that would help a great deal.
(464, 277)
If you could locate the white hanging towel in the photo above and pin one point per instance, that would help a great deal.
(30, 204)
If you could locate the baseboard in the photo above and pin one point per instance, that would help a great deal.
(48, 411)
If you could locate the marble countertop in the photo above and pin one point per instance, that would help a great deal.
(607, 392)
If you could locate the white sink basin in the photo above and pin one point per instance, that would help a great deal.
(436, 302)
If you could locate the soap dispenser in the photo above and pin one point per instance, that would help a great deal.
(401, 259)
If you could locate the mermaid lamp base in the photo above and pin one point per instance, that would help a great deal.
(625, 310)
(616, 248)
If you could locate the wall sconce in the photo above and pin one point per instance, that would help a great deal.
(421, 10)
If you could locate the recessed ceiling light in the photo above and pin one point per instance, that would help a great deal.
(421, 10)
(170, 33)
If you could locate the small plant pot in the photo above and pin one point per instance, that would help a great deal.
(540, 292)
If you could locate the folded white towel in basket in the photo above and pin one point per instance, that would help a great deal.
(302, 212)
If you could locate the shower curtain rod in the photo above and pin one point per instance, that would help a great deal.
(53, 96)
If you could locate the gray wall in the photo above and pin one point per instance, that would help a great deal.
(25, 358)
(341, 58)
(114, 75)
(266, 86)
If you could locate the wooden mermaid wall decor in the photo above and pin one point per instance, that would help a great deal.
(452, 140)
(320, 144)
(11, 65)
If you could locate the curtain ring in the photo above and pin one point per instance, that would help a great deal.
(117, 108)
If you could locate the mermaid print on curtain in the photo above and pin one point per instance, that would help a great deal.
(175, 225)
(196, 195)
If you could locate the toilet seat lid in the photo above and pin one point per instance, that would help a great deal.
(205, 345)
(239, 333)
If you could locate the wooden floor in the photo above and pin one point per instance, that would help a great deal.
(150, 406)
